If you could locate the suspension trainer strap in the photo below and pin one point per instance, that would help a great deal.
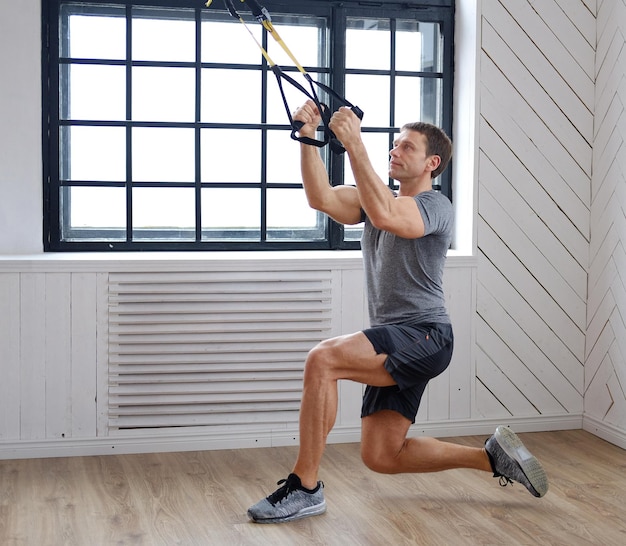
(296, 125)
(263, 17)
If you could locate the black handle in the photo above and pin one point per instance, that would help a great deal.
(335, 145)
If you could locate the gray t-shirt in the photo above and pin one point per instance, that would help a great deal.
(404, 276)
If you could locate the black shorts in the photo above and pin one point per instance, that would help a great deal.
(415, 354)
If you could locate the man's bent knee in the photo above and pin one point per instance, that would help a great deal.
(383, 440)
(320, 359)
(381, 455)
(382, 459)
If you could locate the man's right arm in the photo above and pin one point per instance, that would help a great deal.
(341, 203)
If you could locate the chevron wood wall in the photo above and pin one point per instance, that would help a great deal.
(536, 134)
(605, 373)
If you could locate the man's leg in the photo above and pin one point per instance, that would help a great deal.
(385, 448)
(346, 357)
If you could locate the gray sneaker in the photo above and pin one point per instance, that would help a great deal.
(289, 502)
(511, 461)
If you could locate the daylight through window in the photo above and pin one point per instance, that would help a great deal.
(165, 128)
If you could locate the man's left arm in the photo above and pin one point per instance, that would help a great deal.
(398, 215)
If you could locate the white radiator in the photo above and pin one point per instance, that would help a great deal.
(212, 349)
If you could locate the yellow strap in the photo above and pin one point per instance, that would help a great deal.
(270, 28)
(265, 53)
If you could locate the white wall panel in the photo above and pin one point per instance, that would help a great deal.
(576, 31)
(32, 362)
(570, 55)
(535, 139)
(83, 351)
(353, 316)
(56, 310)
(605, 380)
(498, 393)
(9, 356)
(527, 134)
(448, 397)
(91, 351)
(460, 289)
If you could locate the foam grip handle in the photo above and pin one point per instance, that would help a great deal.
(358, 112)
(296, 125)
(336, 146)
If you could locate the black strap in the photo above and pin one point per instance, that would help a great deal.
(258, 11)
(325, 112)
(261, 15)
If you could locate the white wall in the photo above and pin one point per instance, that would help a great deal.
(20, 128)
(64, 338)
(525, 352)
(550, 224)
(535, 141)
(605, 368)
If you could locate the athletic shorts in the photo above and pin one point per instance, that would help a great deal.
(415, 354)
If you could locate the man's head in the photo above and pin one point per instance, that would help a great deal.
(437, 143)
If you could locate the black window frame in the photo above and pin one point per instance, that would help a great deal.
(428, 11)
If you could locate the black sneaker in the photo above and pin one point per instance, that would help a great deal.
(511, 461)
(289, 502)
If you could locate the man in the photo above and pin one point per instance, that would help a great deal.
(404, 244)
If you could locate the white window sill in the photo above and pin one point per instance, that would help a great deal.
(176, 261)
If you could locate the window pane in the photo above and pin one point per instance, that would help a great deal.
(289, 216)
(377, 145)
(103, 208)
(371, 94)
(167, 38)
(302, 36)
(408, 46)
(94, 153)
(229, 42)
(418, 99)
(232, 96)
(163, 94)
(418, 47)
(163, 154)
(276, 113)
(230, 155)
(353, 233)
(231, 213)
(408, 100)
(163, 213)
(368, 44)
(95, 37)
(283, 158)
(96, 92)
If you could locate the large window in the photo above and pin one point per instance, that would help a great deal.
(165, 128)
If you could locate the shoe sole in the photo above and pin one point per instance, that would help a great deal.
(530, 466)
(316, 510)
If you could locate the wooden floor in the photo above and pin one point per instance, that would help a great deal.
(200, 498)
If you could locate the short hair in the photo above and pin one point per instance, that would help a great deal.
(438, 143)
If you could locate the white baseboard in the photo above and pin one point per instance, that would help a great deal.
(605, 431)
(476, 427)
(201, 440)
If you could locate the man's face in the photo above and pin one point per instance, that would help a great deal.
(408, 157)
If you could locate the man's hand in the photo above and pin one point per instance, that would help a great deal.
(310, 116)
(346, 126)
